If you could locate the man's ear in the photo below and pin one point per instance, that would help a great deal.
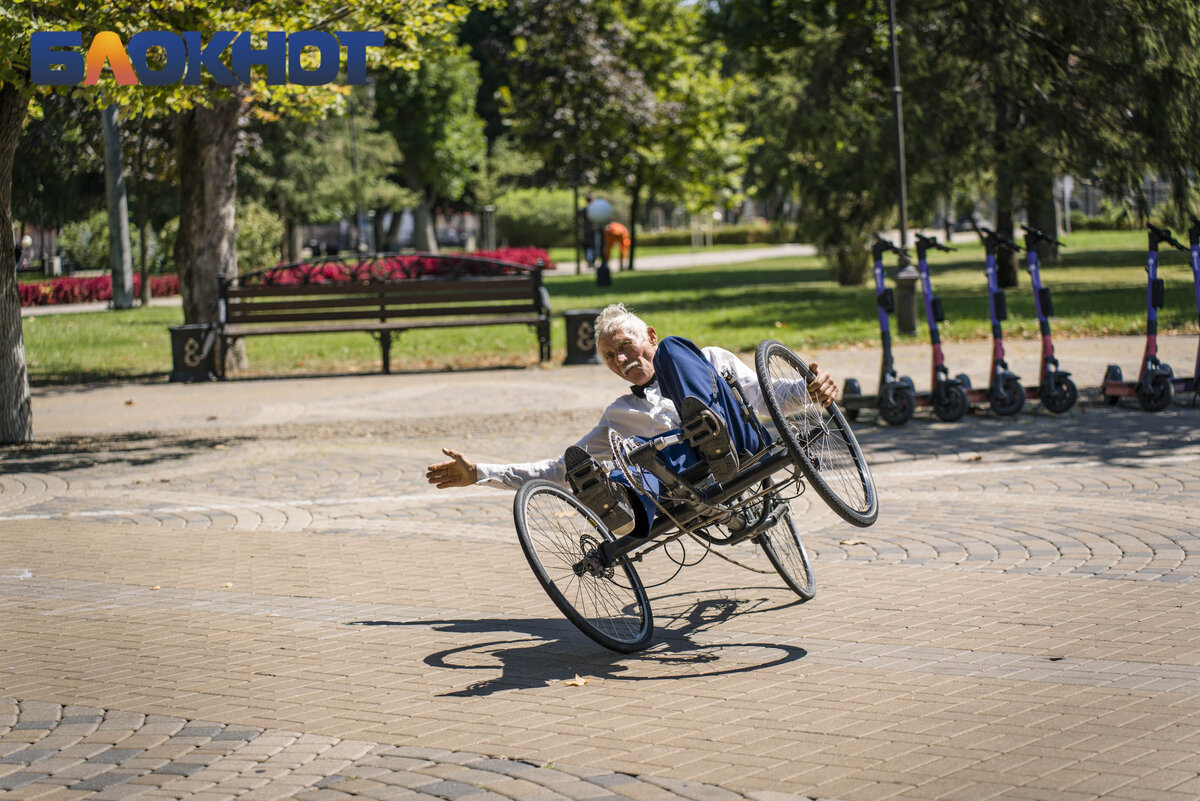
(651, 335)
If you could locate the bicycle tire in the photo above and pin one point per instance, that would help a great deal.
(556, 532)
(786, 553)
(819, 439)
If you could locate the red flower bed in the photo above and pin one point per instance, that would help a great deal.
(394, 267)
(82, 290)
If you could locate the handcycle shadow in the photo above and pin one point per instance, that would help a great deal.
(550, 650)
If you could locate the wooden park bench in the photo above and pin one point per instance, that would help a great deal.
(384, 294)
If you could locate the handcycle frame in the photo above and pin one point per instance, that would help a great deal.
(589, 572)
(764, 465)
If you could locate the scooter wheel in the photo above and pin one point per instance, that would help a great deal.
(1156, 393)
(851, 389)
(897, 405)
(952, 404)
(1060, 394)
(1113, 373)
(1007, 397)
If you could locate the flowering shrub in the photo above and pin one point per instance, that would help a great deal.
(394, 267)
(82, 290)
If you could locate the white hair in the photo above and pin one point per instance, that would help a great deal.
(616, 319)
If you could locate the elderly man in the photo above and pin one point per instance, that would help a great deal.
(672, 381)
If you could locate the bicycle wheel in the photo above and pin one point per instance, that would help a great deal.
(818, 438)
(783, 547)
(561, 538)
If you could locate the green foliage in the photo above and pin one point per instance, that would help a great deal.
(259, 234)
(748, 234)
(535, 217)
(430, 112)
(86, 241)
(299, 168)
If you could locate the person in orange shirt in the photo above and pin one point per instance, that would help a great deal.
(615, 233)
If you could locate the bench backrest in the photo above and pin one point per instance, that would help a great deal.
(458, 287)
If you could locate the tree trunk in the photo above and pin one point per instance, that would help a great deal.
(635, 202)
(207, 241)
(1006, 267)
(16, 411)
(1042, 210)
(424, 236)
(143, 260)
(119, 261)
(392, 242)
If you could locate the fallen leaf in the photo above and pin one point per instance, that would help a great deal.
(853, 542)
(220, 447)
(272, 614)
(129, 402)
(227, 585)
(976, 458)
(578, 681)
(156, 587)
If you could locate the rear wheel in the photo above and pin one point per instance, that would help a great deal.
(561, 539)
(1008, 397)
(1113, 373)
(818, 438)
(851, 389)
(783, 547)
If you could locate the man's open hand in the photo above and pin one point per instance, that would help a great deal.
(457, 472)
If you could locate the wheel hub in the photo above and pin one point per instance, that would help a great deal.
(592, 562)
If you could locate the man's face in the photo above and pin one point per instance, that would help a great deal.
(630, 355)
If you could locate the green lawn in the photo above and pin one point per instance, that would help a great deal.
(1098, 288)
(565, 257)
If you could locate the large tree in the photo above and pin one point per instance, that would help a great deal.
(1014, 91)
(431, 113)
(627, 93)
(209, 119)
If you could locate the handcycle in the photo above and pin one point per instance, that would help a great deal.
(590, 574)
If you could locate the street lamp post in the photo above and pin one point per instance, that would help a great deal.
(906, 279)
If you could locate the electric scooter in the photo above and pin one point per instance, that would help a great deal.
(897, 398)
(1005, 392)
(1156, 384)
(1056, 390)
(951, 397)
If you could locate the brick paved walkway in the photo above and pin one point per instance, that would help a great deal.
(273, 604)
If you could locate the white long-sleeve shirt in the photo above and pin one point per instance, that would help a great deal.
(629, 416)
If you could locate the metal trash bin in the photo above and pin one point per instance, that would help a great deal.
(581, 336)
(194, 351)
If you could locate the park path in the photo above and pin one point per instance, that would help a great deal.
(246, 590)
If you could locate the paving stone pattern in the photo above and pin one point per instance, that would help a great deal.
(285, 609)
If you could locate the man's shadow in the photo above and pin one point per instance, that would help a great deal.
(558, 651)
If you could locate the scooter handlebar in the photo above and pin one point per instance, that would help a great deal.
(1164, 235)
(931, 242)
(1039, 235)
(1000, 238)
(888, 246)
